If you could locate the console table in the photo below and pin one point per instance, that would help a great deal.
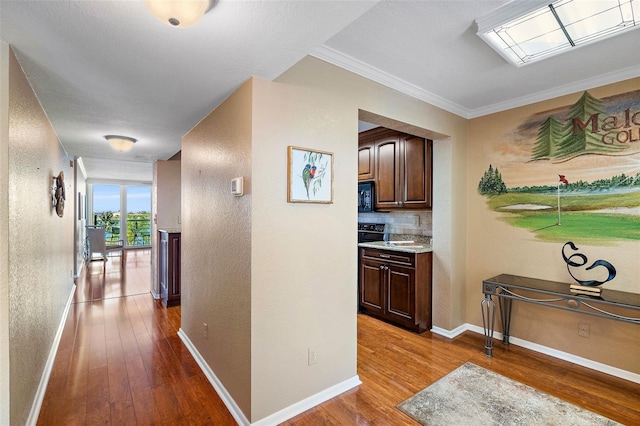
(548, 293)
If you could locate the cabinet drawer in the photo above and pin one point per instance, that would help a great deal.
(390, 256)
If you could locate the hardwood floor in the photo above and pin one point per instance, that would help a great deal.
(120, 361)
(394, 364)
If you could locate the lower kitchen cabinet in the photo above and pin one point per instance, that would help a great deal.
(169, 267)
(396, 287)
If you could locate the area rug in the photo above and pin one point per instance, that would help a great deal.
(472, 395)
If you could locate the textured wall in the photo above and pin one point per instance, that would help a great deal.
(4, 234)
(40, 243)
(303, 255)
(300, 291)
(216, 243)
(166, 207)
(496, 247)
(348, 93)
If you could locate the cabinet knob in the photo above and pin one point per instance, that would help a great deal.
(382, 267)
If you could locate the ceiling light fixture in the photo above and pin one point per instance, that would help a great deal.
(178, 13)
(525, 31)
(120, 143)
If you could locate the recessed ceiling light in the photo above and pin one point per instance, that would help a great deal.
(527, 31)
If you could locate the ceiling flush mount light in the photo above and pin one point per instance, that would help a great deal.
(527, 31)
(178, 13)
(120, 143)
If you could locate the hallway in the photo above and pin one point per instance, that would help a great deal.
(120, 360)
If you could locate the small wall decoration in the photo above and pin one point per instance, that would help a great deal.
(58, 194)
(578, 260)
(309, 176)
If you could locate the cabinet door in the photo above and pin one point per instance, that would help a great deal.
(174, 279)
(400, 297)
(366, 162)
(387, 160)
(371, 287)
(163, 257)
(416, 155)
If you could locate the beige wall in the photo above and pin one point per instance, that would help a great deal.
(495, 247)
(300, 291)
(216, 243)
(40, 244)
(303, 255)
(345, 95)
(4, 235)
(165, 209)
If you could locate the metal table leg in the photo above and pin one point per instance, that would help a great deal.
(488, 308)
(505, 316)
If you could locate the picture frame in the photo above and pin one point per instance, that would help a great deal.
(309, 175)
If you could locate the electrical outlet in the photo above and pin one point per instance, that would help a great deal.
(583, 330)
(205, 330)
(313, 356)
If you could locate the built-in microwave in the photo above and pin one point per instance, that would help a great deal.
(365, 197)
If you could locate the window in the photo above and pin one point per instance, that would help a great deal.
(108, 201)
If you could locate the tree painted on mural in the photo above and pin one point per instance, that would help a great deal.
(578, 135)
(491, 182)
(550, 131)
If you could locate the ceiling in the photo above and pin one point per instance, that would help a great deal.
(109, 67)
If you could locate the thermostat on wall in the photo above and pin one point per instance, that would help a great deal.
(236, 186)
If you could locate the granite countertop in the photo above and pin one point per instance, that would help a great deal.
(399, 246)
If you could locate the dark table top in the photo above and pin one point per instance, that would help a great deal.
(612, 297)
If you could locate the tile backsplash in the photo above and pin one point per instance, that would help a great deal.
(401, 223)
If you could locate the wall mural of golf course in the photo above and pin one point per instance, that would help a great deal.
(572, 172)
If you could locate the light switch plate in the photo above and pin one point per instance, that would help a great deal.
(237, 186)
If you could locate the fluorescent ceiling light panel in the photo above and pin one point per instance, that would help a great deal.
(525, 31)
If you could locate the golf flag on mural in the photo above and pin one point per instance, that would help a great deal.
(564, 180)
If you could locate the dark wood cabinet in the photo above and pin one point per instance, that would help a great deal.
(396, 287)
(366, 164)
(402, 168)
(388, 176)
(416, 169)
(169, 267)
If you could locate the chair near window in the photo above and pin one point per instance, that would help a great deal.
(97, 244)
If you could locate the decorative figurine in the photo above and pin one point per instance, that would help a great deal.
(576, 260)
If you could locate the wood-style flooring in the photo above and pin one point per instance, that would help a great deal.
(120, 361)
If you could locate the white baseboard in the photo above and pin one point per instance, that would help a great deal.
(449, 333)
(594, 365)
(233, 408)
(278, 417)
(308, 403)
(48, 367)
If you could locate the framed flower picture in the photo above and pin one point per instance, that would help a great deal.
(309, 176)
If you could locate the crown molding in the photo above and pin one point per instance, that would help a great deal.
(363, 69)
(356, 66)
(567, 89)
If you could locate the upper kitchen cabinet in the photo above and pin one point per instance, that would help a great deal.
(366, 163)
(402, 169)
